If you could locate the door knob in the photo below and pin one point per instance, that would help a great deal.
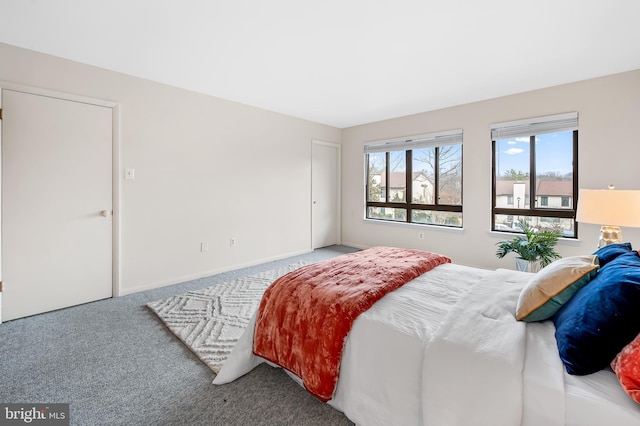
(105, 213)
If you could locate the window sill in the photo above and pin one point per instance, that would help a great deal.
(415, 226)
(508, 235)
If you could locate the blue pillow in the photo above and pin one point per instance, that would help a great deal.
(601, 318)
(608, 253)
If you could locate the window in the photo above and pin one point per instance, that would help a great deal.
(416, 180)
(535, 173)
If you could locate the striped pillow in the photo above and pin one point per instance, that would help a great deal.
(553, 286)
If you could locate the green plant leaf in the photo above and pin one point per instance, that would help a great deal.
(532, 245)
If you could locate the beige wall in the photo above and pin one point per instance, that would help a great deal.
(609, 152)
(197, 159)
(207, 169)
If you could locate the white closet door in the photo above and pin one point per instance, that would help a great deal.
(325, 181)
(56, 203)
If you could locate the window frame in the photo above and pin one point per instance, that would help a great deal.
(408, 205)
(536, 211)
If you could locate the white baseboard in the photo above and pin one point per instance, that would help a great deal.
(190, 277)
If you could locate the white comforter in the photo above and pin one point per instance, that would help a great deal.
(445, 349)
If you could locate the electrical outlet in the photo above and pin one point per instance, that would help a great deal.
(421, 235)
(232, 242)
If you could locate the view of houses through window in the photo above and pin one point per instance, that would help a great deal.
(535, 178)
(535, 175)
(416, 181)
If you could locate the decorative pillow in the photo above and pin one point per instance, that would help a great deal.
(553, 286)
(603, 317)
(626, 365)
(609, 252)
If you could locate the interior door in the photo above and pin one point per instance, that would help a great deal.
(325, 177)
(56, 203)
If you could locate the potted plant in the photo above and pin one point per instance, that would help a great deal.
(534, 249)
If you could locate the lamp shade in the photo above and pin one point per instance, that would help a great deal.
(609, 207)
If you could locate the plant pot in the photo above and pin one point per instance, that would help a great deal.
(527, 266)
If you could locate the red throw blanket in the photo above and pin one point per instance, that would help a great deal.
(305, 316)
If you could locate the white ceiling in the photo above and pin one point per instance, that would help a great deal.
(338, 62)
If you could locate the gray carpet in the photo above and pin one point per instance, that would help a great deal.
(115, 363)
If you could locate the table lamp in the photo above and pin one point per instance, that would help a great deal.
(611, 209)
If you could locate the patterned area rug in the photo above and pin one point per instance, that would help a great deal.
(210, 321)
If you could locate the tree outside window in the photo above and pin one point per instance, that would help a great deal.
(419, 184)
(535, 176)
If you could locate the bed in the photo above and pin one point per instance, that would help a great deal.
(446, 349)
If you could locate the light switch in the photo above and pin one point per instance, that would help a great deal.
(130, 173)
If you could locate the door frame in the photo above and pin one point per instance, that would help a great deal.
(115, 166)
(338, 217)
